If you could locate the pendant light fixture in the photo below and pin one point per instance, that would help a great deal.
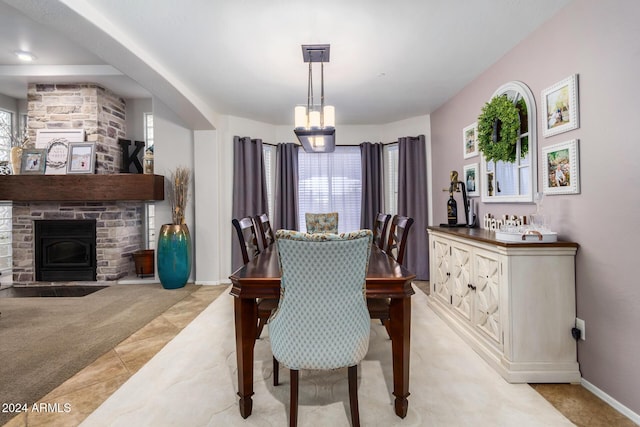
(315, 124)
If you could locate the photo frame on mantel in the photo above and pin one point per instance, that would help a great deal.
(82, 157)
(56, 142)
(33, 161)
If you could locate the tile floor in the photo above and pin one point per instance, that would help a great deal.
(93, 385)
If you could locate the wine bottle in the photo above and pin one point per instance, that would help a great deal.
(452, 210)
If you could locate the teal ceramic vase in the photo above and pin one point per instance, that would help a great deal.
(174, 255)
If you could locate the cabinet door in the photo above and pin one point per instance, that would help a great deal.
(460, 266)
(487, 295)
(440, 271)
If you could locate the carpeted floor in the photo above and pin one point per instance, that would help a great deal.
(36, 356)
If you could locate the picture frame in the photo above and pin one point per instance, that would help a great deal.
(470, 141)
(82, 157)
(471, 174)
(33, 161)
(560, 107)
(561, 172)
(56, 142)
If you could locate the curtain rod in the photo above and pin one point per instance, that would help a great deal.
(341, 145)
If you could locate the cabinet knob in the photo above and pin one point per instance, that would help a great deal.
(470, 286)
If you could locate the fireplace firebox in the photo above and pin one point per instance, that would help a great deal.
(65, 250)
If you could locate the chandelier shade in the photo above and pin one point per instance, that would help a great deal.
(314, 125)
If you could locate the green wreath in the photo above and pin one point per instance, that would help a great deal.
(498, 130)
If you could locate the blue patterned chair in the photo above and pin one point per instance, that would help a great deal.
(322, 321)
(322, 222)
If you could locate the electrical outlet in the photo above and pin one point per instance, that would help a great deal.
(581, 325)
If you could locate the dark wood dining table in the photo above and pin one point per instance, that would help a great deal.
(260, 278)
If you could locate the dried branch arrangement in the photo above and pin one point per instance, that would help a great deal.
(178, 193)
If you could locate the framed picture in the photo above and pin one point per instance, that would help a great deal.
(471, 181)
(470, 141)
(561, 171)
(82, 157)
(560, 107)
(56, 142)
(33, 161)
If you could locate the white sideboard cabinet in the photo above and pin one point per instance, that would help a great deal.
(513, 303)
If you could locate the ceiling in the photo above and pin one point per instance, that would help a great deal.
(389, 60)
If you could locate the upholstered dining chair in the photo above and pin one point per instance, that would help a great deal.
(248, 240)
(396, 245)
(322, 321)
(265, 230)
(380, 229)
(322, 222)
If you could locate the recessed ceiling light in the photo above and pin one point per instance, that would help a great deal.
(23, 55)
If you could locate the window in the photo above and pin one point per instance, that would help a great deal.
(150, 208)
(6, 259)
(514, 182)
(269, 155)
(6, 130)
(391, 178)
(331, 182)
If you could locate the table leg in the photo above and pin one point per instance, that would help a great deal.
(400, 322)
(246, 320)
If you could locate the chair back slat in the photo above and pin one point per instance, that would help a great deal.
(265, 230)
(398, 234)
(247, 238)
(380, 230)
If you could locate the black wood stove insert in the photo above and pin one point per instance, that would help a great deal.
(65, 250)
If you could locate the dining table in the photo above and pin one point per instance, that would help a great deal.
(260, 278)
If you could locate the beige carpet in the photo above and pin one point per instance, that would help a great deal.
(192, 381)
(44, 341)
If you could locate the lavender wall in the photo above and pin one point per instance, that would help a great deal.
(599, 42)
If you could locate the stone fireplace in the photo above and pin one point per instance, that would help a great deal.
(119, 226)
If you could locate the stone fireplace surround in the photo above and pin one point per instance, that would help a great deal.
(118, 234)
(101, 113)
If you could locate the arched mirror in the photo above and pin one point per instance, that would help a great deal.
(517, 181)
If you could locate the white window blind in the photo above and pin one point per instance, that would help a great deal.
(269, 155)
(391, 178)
(331, 182)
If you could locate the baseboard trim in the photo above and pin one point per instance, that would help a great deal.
(611, 401)
(210, 282)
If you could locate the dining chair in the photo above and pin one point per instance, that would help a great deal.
(396, 245)
(380, 229)
(322, 321)
(398, 233)
(248, 240)
(265, 230)
(322, 222)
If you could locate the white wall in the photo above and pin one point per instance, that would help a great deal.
(135, 117)
(174, 147)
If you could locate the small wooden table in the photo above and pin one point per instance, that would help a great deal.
(260, 278)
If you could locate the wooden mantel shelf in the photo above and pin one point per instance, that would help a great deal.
(94, 188)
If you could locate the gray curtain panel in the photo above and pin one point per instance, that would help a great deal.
(286, 203)
(372, 184)
(412, 202)
(249, 187)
